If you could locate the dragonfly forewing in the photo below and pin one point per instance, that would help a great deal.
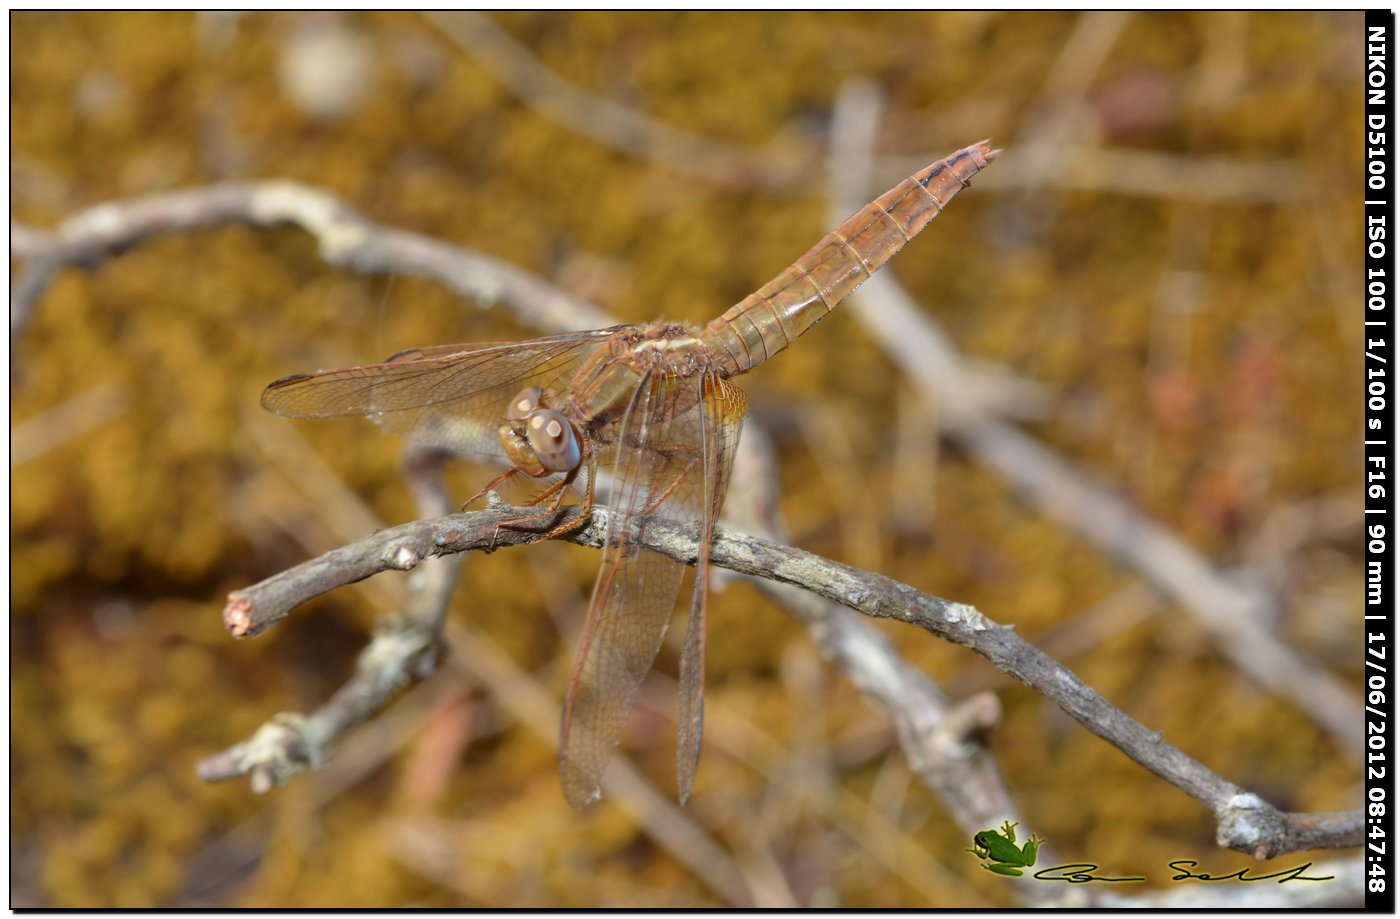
(448, 396)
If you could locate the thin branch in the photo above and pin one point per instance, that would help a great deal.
(1059, 112)
(226, 859)
(346, 239)
(27, 242)
(1245, 821)
(36, 436)
(33, 279)
(608, 122)
(1150, 174)
(404, 650)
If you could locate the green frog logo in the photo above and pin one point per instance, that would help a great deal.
(1000, 851)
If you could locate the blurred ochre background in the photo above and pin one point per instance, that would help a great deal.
(1183, 287)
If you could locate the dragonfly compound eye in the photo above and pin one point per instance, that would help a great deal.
(526, 402)
(552, 439)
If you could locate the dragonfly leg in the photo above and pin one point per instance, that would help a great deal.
(559, 486)
(503, 477)
(676, 480)
(560, 490)
(585, 508)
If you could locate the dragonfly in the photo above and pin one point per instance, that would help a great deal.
(652, 406)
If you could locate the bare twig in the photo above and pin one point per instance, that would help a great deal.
(608, 122)
(33, 278)
(225, 860)
(346, 239)
(402, 651)
(36, 436)
(1149, 174)
(27, 242)
(1244, 821)
(405, 649)
(1059, 112)
(432, 588)
(1233, 611)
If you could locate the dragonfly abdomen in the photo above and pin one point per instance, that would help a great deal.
(769, 319)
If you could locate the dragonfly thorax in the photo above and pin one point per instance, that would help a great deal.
(672, 348)
(538, 440)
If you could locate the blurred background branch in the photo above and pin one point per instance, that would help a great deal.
(607, 122)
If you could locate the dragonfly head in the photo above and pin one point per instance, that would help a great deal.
(537, 440)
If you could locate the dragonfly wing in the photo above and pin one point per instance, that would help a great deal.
(721, 416)
(449, 396)
(656, 470)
